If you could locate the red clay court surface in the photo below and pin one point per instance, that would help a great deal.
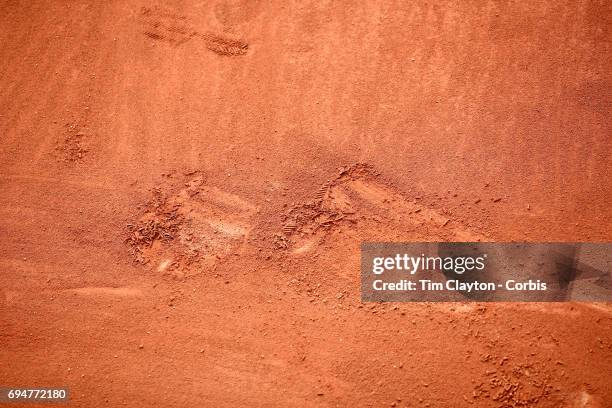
(185, 186)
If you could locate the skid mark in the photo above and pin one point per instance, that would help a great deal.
(359, 200)
(196, 225)
(223, 198)
(302, 246)
(107, 291)
(32, 179)
(385, 197)
(224, 46)
(165, 25)
(13, 297)
(175, 29)
(227, 228)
